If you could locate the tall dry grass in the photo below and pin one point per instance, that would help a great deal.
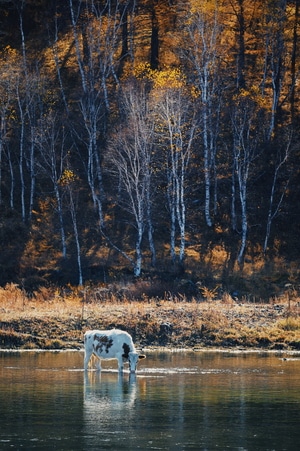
(52, 317)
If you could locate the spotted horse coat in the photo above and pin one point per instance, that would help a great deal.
(111, 344)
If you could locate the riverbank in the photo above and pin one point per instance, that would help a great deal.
(59, 322)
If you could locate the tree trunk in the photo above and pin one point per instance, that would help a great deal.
(76, 235)
(243, 198)
(206, 167)
(154, 49)
(61, 221)
(272, 212)
(138, 251)
(240, 79)
(293, 62)
(150, 225)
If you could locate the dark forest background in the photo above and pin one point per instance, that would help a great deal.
(150, 139)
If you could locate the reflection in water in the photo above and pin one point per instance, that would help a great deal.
(114, 392)
(109, 401)
(177, 401)
(40, 405)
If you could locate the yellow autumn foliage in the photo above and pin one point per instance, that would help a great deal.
(171, 78)
(202, 6)
(253, 94)
(67, 177)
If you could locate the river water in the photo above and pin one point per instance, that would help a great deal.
(177, 401)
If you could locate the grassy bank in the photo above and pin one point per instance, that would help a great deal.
(54, 319)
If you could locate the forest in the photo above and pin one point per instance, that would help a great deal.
(150, 139)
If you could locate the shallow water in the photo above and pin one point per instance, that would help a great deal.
(177, 401)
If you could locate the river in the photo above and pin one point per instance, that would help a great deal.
(181, 400)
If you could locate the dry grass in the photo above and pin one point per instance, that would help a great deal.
(57, 319)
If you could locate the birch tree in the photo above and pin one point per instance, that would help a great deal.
(131, 154)
(100, 37)
(275, 53)
(68, 182)
(175, 130)
(50, 140)
(204, 38)
(294, 71)
(28, 86)
(22, 104)
(97, 31)
(9, 67)
(29, 92)
(277, 193)
(248, 135)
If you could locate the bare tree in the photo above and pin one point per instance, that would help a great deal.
(131, 155)
(275, 202)
(204, 33)
(22, 104)
(175, 129)
(68, 182)
(247, 136)
(50, 141)
(294, 71)
(97, 30)
(275, 56)
(9, 74)
(28, 89)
